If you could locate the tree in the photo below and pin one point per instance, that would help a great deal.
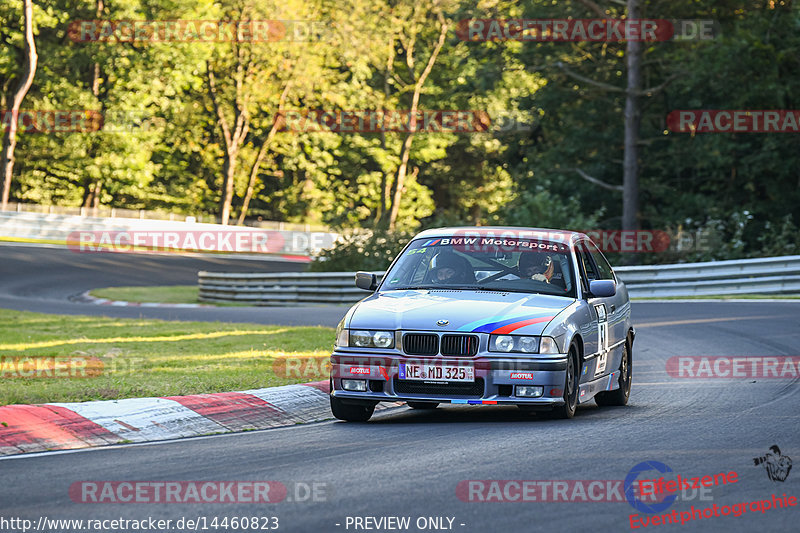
(630, 168)
(25, 82)
(418, 83)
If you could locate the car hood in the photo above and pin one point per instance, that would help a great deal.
(472, 311)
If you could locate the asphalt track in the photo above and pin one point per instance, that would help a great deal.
(409, 463)
(44, 279)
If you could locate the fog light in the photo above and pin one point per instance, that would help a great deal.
(357, 385)
(525, 391)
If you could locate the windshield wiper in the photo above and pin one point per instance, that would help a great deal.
(491, 289)
(411, 288)
(471, 288)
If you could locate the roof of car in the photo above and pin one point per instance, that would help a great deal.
(504, 232)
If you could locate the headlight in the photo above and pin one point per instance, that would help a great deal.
(383, 339)
(362, 338)
(503, 343)
(514, 343)
(528, 344)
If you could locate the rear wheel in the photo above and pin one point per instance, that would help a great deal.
(619, 396)
(423, 405)
(351, 412)
(570, 387)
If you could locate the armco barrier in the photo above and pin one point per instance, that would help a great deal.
(773, 275)
(283, 288)
(769, 275)
(52, 227)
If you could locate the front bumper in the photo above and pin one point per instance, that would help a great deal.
(495, 382)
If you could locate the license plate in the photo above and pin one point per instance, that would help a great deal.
(436, 372)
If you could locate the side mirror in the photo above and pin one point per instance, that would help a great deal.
(367, 281)
(602, 288)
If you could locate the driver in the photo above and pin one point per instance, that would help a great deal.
(448, 268)
(536, 266)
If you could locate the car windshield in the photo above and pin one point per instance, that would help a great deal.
(457, 263)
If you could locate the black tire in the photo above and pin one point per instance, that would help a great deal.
(619, 396)
(423, 405)
(571, 387)
(351, 412)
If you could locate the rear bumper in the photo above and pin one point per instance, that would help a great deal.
(495, 379)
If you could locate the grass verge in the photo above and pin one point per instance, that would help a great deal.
(168, 294)
(144, 357)
(174, 294)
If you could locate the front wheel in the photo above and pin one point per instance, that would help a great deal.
(351, 412)
(619, 396)
(570, 387)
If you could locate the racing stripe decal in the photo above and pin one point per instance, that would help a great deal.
(501, 326)
(473, 324)
(521, 324)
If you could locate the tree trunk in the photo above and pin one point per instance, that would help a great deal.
(10, 137)
(630, 174)
(406, 150)
(399, 182)
(384, 187)
(228, 172)
(92, 188)
(262, 152)
(234, 138)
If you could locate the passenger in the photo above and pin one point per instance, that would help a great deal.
(536, 266)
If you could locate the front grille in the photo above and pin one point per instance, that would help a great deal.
(474, 389)
(459, 345)
(421, 343)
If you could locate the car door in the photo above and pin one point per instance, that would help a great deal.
(601, 310)
(615, 309)
(593, 331)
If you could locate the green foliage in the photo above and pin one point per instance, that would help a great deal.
(371, 251)
(738, 189)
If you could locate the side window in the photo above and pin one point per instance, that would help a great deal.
(603, 268)
(421, 267)
(586, 264)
